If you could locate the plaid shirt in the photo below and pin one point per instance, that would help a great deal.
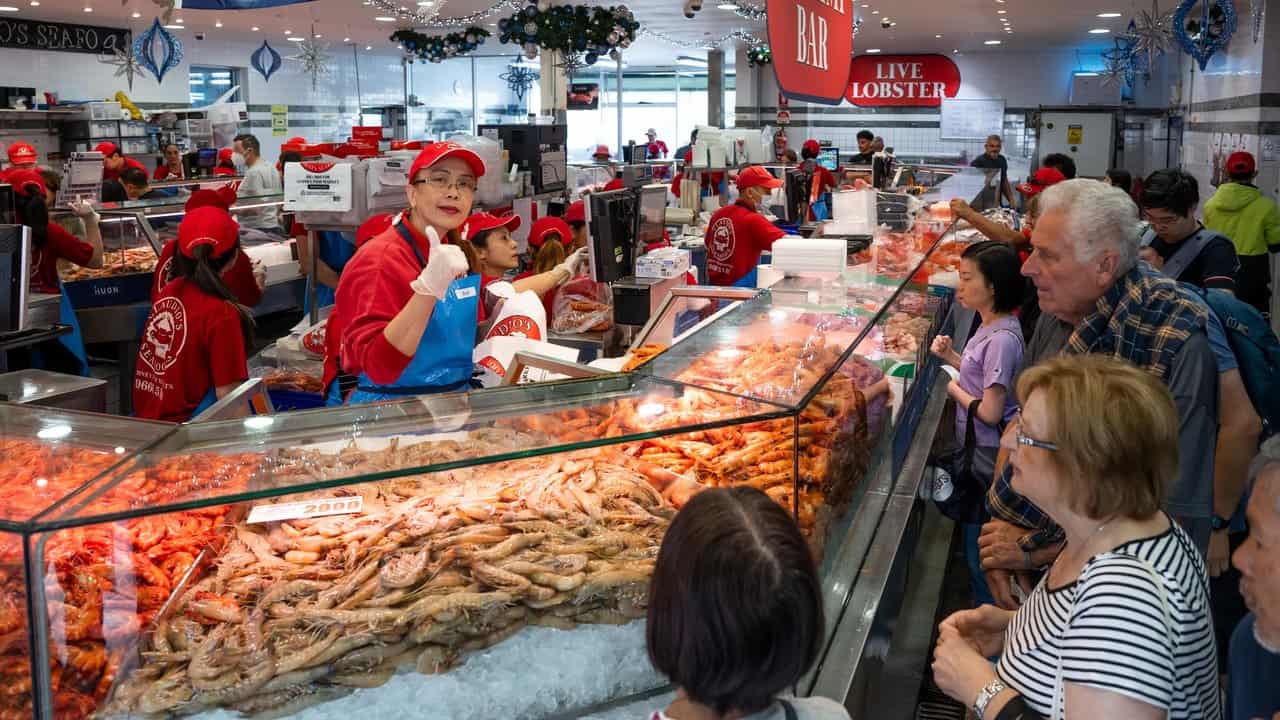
(1144, 319)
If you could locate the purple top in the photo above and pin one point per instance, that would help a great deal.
(992, 357)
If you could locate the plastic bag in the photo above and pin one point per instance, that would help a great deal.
(582, 305)
(519, 314)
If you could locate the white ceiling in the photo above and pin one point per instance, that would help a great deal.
(963, 24)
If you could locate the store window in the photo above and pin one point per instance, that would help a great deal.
(207, 84)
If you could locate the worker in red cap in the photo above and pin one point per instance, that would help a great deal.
(576, 216)
(114, 162)
(551, 259)
(655, 149)
(602, 154)
(22, 156)
(49, 241)
(243, 277)
(171, 168)
(226, 166)
(408, 302)
(823, 181)
(195, 344)
(1041, 180)
(1243, 213)
(738, 233)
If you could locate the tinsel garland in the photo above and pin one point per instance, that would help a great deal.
(435, 48)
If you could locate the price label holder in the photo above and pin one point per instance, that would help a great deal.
(306, 509)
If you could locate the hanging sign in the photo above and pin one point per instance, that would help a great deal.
(62, 37)
(811, 42)
(902, 80)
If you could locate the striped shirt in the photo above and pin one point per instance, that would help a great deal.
(1108, 630)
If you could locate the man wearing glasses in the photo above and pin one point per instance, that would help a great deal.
(1177, 244)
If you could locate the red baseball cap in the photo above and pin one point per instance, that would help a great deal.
(106, 147)
(756, 176)
(224, 155)
(576, 212)
(602, 150)
(23, 179)
(1239, 163)
(223, 198)
(297, 140)
(22, 152)
(372, 227)
(208, 226)
(543, 227)
(811, 146)
(434, 152)
(1041, 180)
(479, 222)
(614, 184)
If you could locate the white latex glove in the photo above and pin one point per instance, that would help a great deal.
(433, 237)
(83, 209)
(446, 264)
(259, 273)
(573, 265)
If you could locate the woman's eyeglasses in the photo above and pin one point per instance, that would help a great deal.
(443, 183)
(1024, 441)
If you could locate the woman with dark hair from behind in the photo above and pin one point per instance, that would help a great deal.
(49, 241)
(195, 345)
(735, 611)
(1117, 177)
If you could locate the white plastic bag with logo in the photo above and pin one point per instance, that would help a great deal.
(518, 314)
(493, 358)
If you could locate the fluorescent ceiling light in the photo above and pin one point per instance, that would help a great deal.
(384, 18)
(872, 51)
(8, 8)
(1086, 74)
(991, 42)
(296, 39)
(347, 39)
(727, 6)
(174, 27)
(1099, 31)
(1109, 15)
(254, 28)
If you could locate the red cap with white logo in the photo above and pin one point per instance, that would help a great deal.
(437, 151)
(22, 152)
(207, 225)
(481, 222)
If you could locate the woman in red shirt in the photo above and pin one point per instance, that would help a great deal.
(49, 241)
(243, 277)
(497, 253)
(195, 345)
(226, 163)
(738, 233)
(172, 168)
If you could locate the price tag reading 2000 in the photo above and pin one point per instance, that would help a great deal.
(306, 509)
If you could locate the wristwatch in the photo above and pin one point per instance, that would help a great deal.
(1219, 523)
(985, 695)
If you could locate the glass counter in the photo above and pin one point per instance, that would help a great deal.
(47, 456)
(129, 254)
(256, 564)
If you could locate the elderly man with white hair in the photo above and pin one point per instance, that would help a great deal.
(1253, 690)
(1097, 298)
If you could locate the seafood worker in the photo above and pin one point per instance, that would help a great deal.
(172, 168)
(406, 307)
(113, 162)
(194, 346)
(22, 156)
(245, 278)
(576, 216)
(226, 163)
(49, 242)
(550, 259)
(738, 233)
(497, 253)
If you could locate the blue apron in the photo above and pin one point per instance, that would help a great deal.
(749, 280)
(209, 398)
(72, 341)
(443, 360)
(335, 250)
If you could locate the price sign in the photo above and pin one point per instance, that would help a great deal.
(306, 509)
(812, 41)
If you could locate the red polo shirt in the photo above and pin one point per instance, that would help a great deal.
(238, 276)
(44, 261)
(115, 174)
(192, 343)
(735, 238)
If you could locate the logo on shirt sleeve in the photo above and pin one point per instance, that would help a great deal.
(722, 240)
(165, 336)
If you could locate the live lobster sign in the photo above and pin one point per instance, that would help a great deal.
(902, 80)
(811, 42)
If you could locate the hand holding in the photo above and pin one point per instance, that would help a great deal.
(446, 264)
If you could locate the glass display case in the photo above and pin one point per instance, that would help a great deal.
(46, 456)
(417, 553)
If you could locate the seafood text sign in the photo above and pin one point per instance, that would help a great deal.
(812, 41)
(902, 80)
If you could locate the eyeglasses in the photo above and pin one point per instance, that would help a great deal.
(443, 183)
(1160, 221)
(1024, 441)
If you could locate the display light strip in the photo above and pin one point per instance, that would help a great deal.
(432, 21)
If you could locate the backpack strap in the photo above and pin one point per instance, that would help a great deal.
(788, 710)
(1188, 252)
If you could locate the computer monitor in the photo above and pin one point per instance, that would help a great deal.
(829, 158)
(15, 241)
(652, 217)
(206, 158)
(612, 217)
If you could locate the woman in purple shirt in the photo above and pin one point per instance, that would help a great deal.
(992, 286)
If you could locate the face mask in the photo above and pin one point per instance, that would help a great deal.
(237, 159)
